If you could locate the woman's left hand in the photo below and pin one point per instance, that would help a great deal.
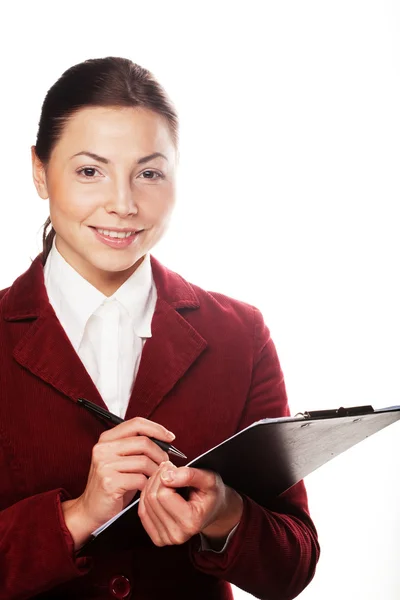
(212, 508)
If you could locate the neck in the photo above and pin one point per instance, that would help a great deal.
(107, 282)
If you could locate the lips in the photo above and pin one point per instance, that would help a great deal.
(116, 242)
(117, 229)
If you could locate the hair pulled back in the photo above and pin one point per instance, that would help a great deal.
(110, 81)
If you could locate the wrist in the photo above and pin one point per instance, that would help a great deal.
(77, 522)
(228, 518)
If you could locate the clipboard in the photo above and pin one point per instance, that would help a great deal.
(271, 455)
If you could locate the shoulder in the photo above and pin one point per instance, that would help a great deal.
(210, 312)
(26, 296)
(227, 314)
(224, 305)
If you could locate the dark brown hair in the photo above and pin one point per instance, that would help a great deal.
(110, 81)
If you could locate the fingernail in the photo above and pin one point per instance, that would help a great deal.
(167, 475)
(171, 435)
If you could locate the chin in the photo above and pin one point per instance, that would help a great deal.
(115, 264)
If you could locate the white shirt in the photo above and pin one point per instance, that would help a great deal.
(108, 333)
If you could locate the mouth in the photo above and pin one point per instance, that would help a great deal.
(117, 238)
(121, 233)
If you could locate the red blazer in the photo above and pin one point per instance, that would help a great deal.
(209, 370)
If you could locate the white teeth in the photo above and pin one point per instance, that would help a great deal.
(115, 234)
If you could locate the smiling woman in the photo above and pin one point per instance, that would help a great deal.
(95, 315)
(128, 187)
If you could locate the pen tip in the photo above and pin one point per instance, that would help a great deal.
(177, 452)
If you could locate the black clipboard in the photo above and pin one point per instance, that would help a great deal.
(270, 456)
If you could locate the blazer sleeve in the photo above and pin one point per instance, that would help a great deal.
(274, 551)
(36, 548)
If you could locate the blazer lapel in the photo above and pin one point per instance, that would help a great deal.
(45, 350)
(167, 355)
(43, 346)
(173, 347)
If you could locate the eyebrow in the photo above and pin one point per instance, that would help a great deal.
(106, 161)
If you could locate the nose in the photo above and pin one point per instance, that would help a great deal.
(123, 201)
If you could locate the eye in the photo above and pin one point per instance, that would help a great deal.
(151, 172)
(87, 172)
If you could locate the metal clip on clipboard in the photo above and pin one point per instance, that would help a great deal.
(353, 411)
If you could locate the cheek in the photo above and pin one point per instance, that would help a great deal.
(70, 203)
(160, 209)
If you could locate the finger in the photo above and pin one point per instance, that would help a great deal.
(132, 464)
(154, 527)
(137, 426)
(205, 488)
(134, 445)
(200, 509)
(166, 513)
(150, 528)
(121, 483)
(168, 508)
(190, 477)
(169, 529)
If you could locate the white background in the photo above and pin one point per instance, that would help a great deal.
(288, 199)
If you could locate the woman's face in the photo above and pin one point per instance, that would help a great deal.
(102, 174)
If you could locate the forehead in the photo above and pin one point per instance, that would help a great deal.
(102, 129)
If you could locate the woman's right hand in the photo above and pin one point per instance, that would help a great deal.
(122, 461)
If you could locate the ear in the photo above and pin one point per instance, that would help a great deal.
(39, 175)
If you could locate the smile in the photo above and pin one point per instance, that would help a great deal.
(116, 239)
(115, 234)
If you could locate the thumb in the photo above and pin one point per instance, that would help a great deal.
(174, 476)
(186, 477)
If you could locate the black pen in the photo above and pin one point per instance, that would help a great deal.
(105, 414)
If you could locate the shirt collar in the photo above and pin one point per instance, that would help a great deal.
(74, 299)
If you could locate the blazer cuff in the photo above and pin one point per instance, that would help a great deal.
(205, 544)
(82, 563)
